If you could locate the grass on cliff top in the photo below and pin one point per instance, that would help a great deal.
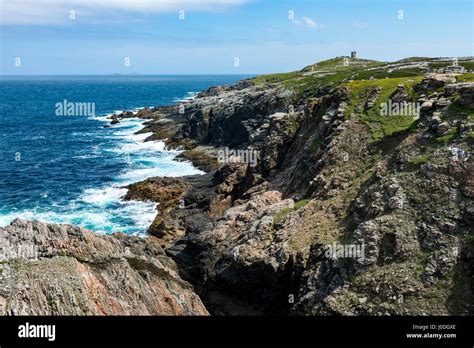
(382, 73)
(338, 62)
(379, 125)
(465, 77)
(332, 72)
(327, 66)
(309, 85)
(274, 78)
(329, 73)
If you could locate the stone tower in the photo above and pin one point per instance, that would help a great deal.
(353, 54)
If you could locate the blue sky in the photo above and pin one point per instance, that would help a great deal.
(262, 34)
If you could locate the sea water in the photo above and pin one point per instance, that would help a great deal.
(71, 169)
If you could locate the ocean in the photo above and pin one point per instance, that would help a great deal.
(70, 169)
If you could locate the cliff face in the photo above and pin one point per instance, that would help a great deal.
(67, 270)
(335, 168)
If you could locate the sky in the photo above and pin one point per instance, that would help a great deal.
(71, 37)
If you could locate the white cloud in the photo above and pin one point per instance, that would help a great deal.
(306, 22)
(57, 11)
(310, 23)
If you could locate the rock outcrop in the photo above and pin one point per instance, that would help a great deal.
(331, 170)
(50, 269)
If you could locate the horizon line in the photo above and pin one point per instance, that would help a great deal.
(129, 75)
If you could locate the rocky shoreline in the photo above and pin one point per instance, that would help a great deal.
(330, 171)
(78, 272)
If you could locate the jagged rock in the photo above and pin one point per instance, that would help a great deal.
(396, 202)
(77, 272)
(430, 236)
(426, 105)
(200, 158)
(467, 95)
(442, 128)
(435, 121)
(442, 103)
(115, 120)
(212, 91)
(400, 95)
(373, 94)
(165, 191)
(143, 113)
(244, 245)
(434, 81)
(465, 90)
(439, 264)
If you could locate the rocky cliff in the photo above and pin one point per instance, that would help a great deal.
(335, 167)
(50, 269)
(341, 162)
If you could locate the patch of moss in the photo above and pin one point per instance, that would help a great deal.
(468, 237)
(453, 132)
(285, 211)
(419, 160)
(300, 204)
(422, 260)
(293, 126)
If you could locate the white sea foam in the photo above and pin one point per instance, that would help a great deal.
(104, 118)
(132, 137)
(189, 96)
(141, 214)
(144, 173)
(144, 159)
(103, 196)
(102, 209)
(136, 147)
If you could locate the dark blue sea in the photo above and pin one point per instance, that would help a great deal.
(70, 169)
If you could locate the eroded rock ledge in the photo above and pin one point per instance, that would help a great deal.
(78, 272)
